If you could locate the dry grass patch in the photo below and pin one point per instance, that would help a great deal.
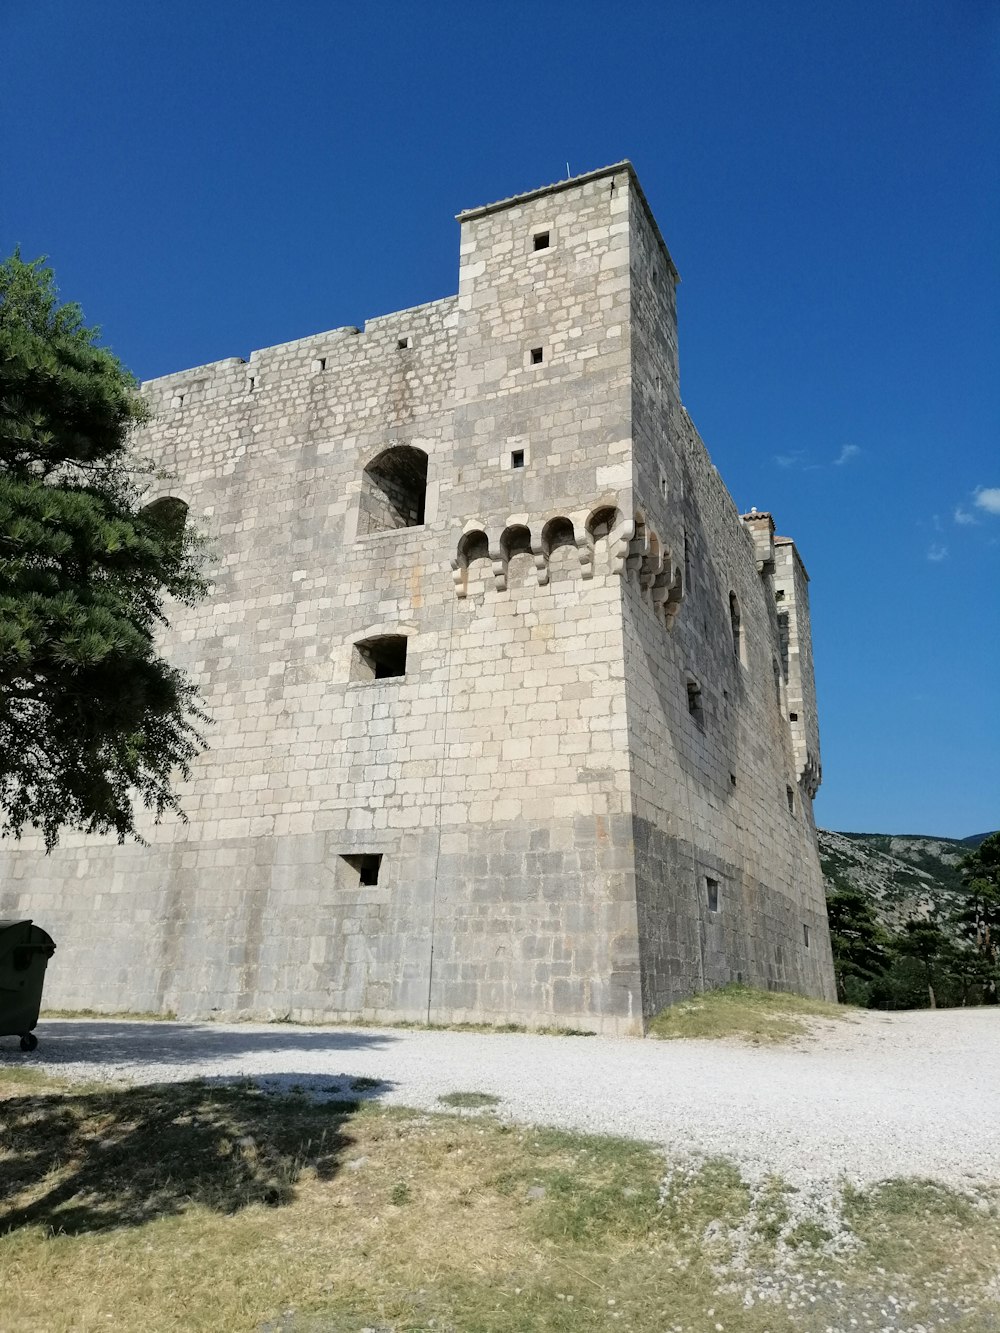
(200, 1207)
(744, 1013)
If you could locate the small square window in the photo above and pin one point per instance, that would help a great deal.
(365, 866)
(793, 717)
(403, 344)
(805, 935)
(541, 240)
(537, 356)
(779, 595)
(379, 659)
(712, 893)
(517, 458)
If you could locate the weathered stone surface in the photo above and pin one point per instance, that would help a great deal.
(601, 659)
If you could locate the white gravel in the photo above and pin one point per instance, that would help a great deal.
(859, 1100)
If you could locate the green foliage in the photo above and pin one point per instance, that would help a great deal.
(92, 720)
(979, 920)
(859, 942)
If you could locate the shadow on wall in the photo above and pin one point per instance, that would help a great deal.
(77, 1041)
(96, 1161)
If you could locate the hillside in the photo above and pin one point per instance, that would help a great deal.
(905, 875)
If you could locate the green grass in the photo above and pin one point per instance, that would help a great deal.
(219, 1207)
(741, 1012)
(468, 1100)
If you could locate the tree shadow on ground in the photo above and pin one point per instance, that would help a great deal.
(72, 1041)
(96, 1160)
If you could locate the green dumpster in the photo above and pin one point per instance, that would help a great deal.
(25, 950)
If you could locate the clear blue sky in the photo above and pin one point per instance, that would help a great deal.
(210, 178)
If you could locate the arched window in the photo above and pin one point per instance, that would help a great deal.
(393, 490)
(473, 565)
(736, 627)
(601, 521)
(168, 514)
(557, 532)
(519, 561)
(473, 546)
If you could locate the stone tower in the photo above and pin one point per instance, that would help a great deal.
(513, 713)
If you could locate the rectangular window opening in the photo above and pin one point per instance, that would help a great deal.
(366, 866)
(793, 717)
(712, 893)
(379, 659)
(403, 344)
(805, 935)
(695, 707)
(517, 458)
(322, 363)
(732, 779)
(251, 383)
(790, 798)
(537, 356)
(541, 240)
(779, 595)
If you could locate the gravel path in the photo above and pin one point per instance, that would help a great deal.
(876, 1096)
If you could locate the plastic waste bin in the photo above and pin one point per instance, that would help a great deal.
(25, 950)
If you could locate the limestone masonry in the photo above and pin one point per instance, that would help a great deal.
(513, 713)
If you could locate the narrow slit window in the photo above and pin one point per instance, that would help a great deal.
(537, 356)
(321, 364)
(517, 458)
(541, 240)
(712, 894)
(805, 935)
(695, 706)
(732, 779)
(251, 383)
(380, 658)
(363, 870)
(790, 798)
(180, 400)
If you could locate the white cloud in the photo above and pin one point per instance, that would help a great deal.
(937, 552)
(963, 516)
(848, 452)
(988, 498)
(788, 460)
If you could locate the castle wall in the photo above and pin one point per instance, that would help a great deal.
(544, 806)
(711, 788)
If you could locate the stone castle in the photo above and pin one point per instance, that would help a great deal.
(513, 712)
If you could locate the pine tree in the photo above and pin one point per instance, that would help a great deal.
(979, 919)
(858, 941)
(926, 943)
(93, 722)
